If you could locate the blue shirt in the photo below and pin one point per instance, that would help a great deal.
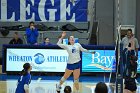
(31, 35)
(21, 82)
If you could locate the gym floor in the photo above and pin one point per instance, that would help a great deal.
(47, 84)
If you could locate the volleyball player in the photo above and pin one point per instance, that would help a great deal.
(24, 80)
(73, 64)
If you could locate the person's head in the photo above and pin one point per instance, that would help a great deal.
(127, 91)
(26, 68)
(67, 89)
(47, 40)
(16, 35)
(71, 40)
(129, 33)
(31, 24)
(101, 88)
(58, 91)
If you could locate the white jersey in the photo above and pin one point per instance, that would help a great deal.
(73, 51)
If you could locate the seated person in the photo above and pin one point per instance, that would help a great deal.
(101, 88)
(46, 41)
(16, 39)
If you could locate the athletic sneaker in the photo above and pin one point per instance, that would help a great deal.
(58, 87)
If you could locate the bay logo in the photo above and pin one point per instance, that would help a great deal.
(106, 60)
(39, 58)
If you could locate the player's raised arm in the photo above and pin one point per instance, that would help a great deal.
(59, 43)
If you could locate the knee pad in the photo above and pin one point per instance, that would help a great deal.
(63, 79)
(76, 81)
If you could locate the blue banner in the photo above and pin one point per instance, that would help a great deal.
(101, 61)
(43, 10)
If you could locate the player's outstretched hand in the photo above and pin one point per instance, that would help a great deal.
(63, 34)
(93, 52)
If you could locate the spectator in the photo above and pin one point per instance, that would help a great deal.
(101, 88)
(127, 91)
(16, 39)
(32, 34)
(58, 91)
(46, 41)
(130, 85)
(67, 89)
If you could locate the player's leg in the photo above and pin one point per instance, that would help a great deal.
(66, 75)
(63, 79)
(76, 74)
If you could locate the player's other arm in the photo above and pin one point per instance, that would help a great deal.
(85, 50)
